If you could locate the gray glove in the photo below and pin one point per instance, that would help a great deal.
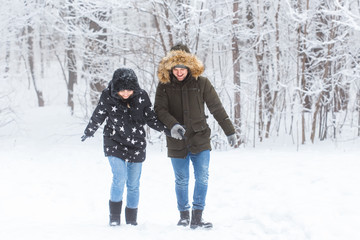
(177, 132)
(231, 139)
(84, 137)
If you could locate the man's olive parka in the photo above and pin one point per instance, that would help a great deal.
(183, 102)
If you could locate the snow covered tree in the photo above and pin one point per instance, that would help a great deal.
(284, 67)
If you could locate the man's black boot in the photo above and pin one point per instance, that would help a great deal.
(184, 218)
(197, 221)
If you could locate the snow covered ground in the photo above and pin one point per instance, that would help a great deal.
(53, 186)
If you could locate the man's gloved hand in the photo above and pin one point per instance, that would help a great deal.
(177, 132)
(84, 137)
(232, 139)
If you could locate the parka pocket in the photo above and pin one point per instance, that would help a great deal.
(175, 144)
(199, 125)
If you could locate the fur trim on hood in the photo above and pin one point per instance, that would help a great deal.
(174, 58)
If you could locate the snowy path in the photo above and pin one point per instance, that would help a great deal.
(55, 187)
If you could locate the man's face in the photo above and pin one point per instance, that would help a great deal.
(180, 73)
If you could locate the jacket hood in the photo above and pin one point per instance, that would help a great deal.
(179, 57)
(123, 79)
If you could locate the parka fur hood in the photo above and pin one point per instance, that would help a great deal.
(176, 57)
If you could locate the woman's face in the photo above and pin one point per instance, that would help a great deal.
(125, 94)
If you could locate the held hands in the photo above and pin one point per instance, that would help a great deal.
(231, 139)
(177, 132)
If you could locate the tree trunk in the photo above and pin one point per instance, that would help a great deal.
(197, 39)
(157, 24)
(322, 101)
(168, 26)
(278, 73)
(71, 57)
(7, 57)
(318, 103)
(305, 100)
(72, 72)
(261, 55)
(236, 72)
(30, 42)
(96, 49)
(259, 59)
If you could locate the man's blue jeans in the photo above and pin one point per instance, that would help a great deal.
(200, 162)
(125, 173)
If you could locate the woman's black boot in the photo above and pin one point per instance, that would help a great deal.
(131, 215)
(115, 211)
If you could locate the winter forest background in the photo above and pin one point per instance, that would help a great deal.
(282, 68)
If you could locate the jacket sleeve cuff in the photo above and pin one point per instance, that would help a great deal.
(227, 127)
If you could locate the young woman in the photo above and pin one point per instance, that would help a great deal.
(127, 109)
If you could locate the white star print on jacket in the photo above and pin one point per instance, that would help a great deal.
(124, 137)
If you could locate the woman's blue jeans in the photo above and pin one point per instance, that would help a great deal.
(125, 173)
(200, 162)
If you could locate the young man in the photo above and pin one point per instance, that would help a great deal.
(179, 104)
